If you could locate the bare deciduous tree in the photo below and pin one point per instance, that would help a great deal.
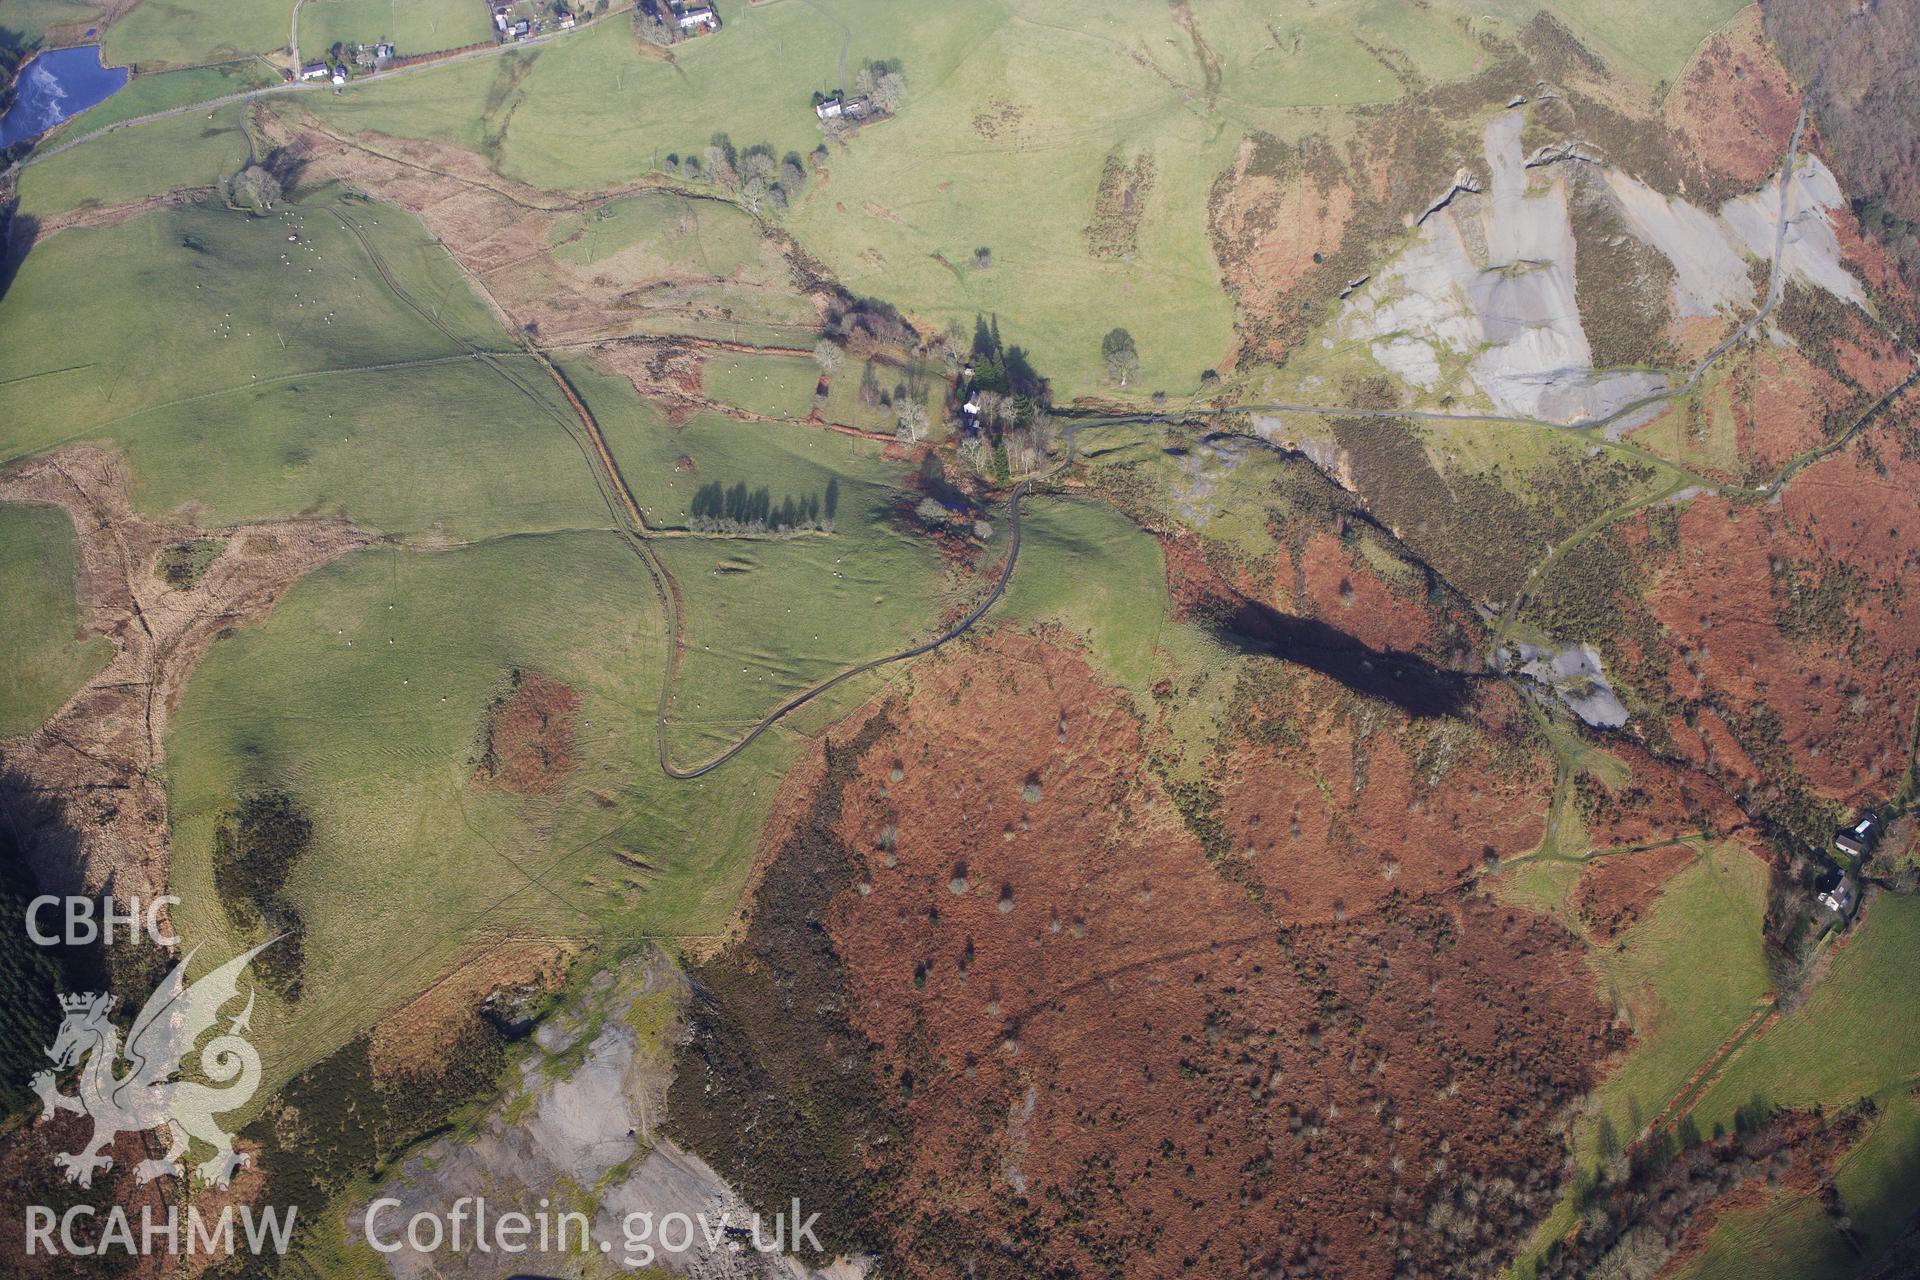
(912, 416)
(1122, 357)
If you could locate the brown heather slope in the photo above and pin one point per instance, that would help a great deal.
(1789, 621)
(1108, 1057)
(1079, 1047)
(1734, 105)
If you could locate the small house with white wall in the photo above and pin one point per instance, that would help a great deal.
(1858, 840)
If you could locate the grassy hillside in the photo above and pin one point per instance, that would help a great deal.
(365, 697)
(184, 33)
(1856, 1037)
(260, 375)
(42, 654)
(190, 150)
(413, 26)
(1092, 571)
(35, 19)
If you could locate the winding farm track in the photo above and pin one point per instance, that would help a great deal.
(799, 700)
(632, 519)
(631, 522)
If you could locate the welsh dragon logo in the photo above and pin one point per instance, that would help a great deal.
(150, 1093)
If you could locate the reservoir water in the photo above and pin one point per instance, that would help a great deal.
(56, 85)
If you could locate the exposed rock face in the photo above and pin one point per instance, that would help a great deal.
(1482, 304)
(1493, 274)
(577, 1131)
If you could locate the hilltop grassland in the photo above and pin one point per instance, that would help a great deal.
(188, 33)
(253, 367)
(367, 698)
(41, 647)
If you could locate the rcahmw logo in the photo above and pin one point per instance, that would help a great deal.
(150, 1093)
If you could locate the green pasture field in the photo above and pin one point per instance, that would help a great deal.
(200, 301)
(765, 619)
(42, 652)
(436, 451)
(788, 460)
(768, 617)
(1093, 571)
(188, 33)
(1007, 155)
(777, 386)
(543, 114)
(162, 91)
(1688, 974)
(190, 150)
(412, 26)
(534, 114)
(365, 695)
(1857, 1036)
(34, 18)
(191, 352)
